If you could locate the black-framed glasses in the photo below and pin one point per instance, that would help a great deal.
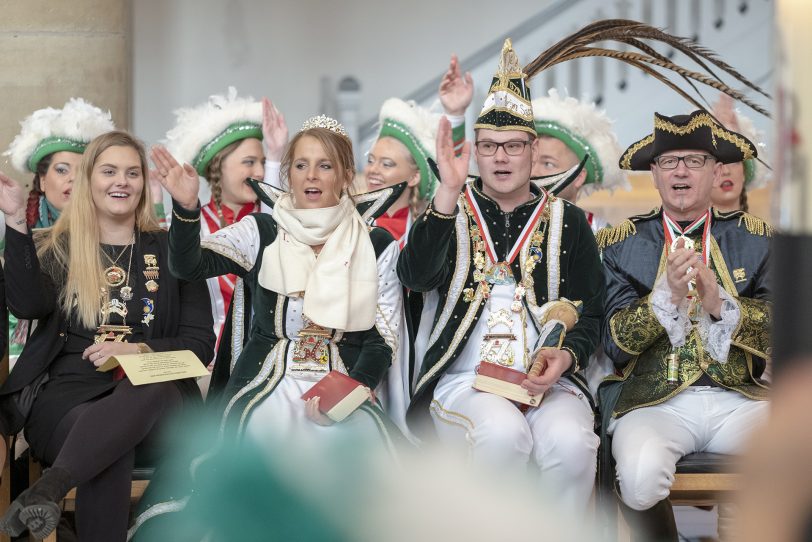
(691, 161)
(514, 147)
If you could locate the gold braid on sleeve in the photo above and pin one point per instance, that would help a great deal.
(635, 327)
(753, 333)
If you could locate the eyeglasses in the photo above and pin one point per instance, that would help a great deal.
(514, 147)
(692, 161)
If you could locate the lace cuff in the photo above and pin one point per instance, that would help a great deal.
(716, 334)
(674, 318)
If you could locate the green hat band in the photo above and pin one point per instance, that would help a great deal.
(53, 144)
(428, 181)
(235, 132)
(577, 144)
(749, 170)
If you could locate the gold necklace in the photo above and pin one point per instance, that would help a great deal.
(114, 275)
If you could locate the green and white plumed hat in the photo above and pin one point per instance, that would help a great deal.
(586, 131)
(51, 130)
(203, 131)
(756, 175)
(508, 106)
(415, 127)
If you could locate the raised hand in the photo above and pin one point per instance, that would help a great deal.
(677, 271)
(274, 131)
(723, 110)
(12, 203)
(456, 90)
(181, 182)
(155, 186)
(453, 169)
(708, 290)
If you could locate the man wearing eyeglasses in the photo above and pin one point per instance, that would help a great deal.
(687, 317)
(489, 254)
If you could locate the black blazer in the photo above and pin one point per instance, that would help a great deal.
(183, 319)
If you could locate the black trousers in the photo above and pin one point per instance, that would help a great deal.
(96, 441)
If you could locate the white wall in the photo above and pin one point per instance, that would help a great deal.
(185, 50)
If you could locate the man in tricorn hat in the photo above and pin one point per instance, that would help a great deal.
(687, 315)
(489, 254)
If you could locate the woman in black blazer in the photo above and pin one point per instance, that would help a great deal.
(98, 284)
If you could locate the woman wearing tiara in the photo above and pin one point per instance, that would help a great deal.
(323, 290)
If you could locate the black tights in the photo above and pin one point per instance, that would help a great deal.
(95, 442)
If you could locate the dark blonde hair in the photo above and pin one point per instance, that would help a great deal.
(337, 147)
(71, 246)
(214, 171)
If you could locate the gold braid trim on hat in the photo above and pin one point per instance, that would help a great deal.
(614, 234)
(626, 159)
(701, 120)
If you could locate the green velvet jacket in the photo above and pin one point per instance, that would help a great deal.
(438, 258)
(633, 257)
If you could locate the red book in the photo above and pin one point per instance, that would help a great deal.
(505, 382)
(340, 395)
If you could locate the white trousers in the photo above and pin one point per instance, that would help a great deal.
(648, 442)
(558, 436)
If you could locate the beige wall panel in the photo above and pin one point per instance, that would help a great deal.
(63, 15)
(56, 50)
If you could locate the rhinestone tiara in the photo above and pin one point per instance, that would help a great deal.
(323, 121)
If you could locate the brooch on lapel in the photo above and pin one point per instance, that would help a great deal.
(738, 275)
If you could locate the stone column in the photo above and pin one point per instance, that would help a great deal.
(53, 51)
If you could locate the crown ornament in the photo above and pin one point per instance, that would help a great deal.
(328, 123)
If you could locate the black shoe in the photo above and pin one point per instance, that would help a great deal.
(37, 508)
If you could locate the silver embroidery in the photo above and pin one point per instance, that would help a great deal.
(554, 249)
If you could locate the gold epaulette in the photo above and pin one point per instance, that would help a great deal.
(754, 224)
(614, 234)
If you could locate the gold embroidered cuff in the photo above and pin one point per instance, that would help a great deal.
(635, 327)
(430, 211)
(753, 331)
(184, 219)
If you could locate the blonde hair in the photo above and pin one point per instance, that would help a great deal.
(69, 251)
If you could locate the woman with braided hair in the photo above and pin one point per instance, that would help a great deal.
(223, 141)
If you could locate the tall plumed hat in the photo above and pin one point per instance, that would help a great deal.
(416, 128)
(756, 175)
(699, 131)
(51, 130)
(587, 132)
(508, 106)
(203, 131)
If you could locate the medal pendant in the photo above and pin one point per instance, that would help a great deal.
(114, 276)
(115, 306)
(516, 306)
(500, 273)
(126, 293)
(688, 243)
(152, 286)
(107, 332)
(497, 348)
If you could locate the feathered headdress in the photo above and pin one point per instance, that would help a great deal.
(645, 58)
(203, 131)
(51, 130)
(416, 128)
(586, 131)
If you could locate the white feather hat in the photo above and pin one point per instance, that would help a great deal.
(201, 132)
(415, 127)
(585, 130)
(51, 130)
